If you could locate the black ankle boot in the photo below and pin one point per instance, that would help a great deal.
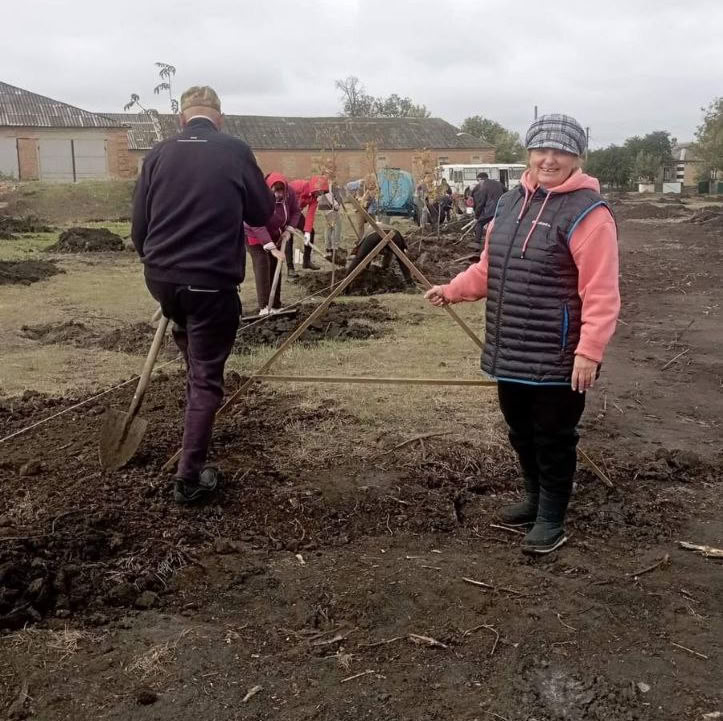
(524, 513)
(186, 492)
(307, 259)
(548, 533)
(520, 514)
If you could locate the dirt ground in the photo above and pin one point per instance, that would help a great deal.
(331, 579)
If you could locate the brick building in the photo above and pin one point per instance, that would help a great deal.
(44, 139)
(299, 147)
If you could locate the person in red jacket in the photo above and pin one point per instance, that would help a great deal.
(308, 192)
(264, 241)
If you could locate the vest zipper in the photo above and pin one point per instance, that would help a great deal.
(565, 325)
(502, 290)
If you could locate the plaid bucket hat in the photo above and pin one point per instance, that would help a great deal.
(558, 131)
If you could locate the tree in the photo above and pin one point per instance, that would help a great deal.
(357, 103)
(396, 107)
(166, 72)
(508, 144)
(656, 144)
(135, 100)
(709, 136)
(612, 166)
(646, 166)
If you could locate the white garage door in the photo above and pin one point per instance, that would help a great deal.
(90, 159)
(55, 159)
(9, 157)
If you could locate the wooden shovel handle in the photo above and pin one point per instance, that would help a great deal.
(277, 275)
(147, 369)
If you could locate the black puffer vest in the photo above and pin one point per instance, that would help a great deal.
(533, 315)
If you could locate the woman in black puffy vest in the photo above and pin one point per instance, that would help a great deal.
(549, 273)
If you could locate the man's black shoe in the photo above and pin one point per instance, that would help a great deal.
(187, 492)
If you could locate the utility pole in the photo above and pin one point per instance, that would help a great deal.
(587, 143)
(535, 112)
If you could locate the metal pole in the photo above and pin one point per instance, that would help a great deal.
(587, 141)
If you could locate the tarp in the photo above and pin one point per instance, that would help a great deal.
(396, 192)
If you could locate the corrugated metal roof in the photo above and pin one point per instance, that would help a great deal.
(20, 107)
(290, 133)
(684, 152)
(144, 131)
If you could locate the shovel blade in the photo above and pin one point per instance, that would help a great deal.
(281, 314)
(118, 444)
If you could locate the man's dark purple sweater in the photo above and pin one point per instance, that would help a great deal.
(191, 200)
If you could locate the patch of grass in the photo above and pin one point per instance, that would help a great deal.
(26, 246)
(431, 346)
(71, 202)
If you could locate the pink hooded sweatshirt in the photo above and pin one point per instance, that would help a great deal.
(594, 248)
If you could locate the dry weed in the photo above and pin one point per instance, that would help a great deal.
(157, 658)
(65, 642)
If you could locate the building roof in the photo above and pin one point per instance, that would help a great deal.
(20, 107)
(290, 133)
(144, 129)
(683, 152)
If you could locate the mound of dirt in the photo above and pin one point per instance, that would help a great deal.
(342, 321)
(340, 257)
(134, 339)
(649, 211)
(26, 224)
(345, 321)
(711, 215)
(26, 272)
(87, 240)
(371, 281)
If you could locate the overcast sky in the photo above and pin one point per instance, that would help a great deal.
(623, 67)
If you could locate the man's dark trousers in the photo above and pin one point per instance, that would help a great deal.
(206, 321)
(479, 230)
(542, 424)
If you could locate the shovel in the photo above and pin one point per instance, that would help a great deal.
(122, 432)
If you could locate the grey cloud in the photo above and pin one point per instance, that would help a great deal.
(623, 67)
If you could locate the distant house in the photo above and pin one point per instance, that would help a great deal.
(686, 166)
(45, 139)
(299, 147)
